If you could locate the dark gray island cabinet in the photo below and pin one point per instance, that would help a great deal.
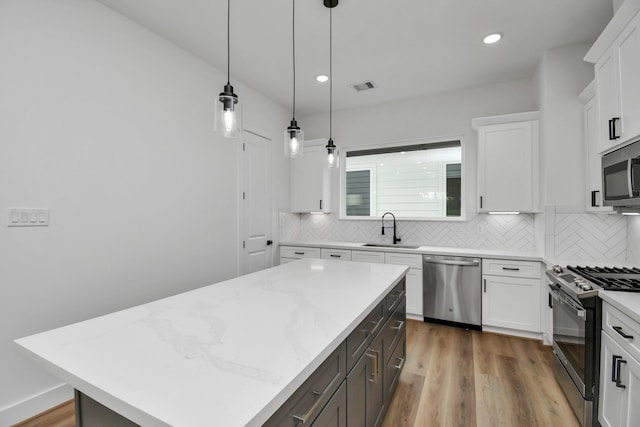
(312, 342)
(354, 386)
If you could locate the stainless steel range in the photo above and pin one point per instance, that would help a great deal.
(577, 319)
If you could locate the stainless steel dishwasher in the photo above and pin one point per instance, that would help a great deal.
(452, 290)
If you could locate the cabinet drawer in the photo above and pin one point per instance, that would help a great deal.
(305, 403)
(393, 367)
(367, 256)
(618, 324)
(396, 295)
(342, 254)
(503, 267)
(299, 252)
(412, 260)
(395, 328)
(364, 333)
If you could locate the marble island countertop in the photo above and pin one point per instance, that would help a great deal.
(443, 250)
(226, 354)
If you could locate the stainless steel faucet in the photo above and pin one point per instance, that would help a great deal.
(396, 239)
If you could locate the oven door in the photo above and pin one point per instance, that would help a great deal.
(569, 342)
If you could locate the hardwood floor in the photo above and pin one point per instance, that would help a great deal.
(63, 415)
(453, 377)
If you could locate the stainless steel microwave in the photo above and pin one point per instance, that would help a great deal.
(621, 176)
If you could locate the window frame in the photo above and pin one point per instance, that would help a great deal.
(399, 144)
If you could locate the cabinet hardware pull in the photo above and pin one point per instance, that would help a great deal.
(619, 330)
(480, 202)
(400, 325)
(619, 362)
(594, 198)
(320, 204)
(399, 365)
(304, 418)
(612, 129)
(376, 361)
(335, 256)
(614, 368)
(485, 285)
(299, 253)
(511, 268)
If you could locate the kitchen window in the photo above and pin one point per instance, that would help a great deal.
(417, 181)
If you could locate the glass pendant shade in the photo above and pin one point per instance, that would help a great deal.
(333, 156)
(229, 114)
(293, 140)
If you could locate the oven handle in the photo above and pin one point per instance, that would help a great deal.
(577, 310)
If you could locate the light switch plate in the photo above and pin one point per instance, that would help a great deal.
(28, 217)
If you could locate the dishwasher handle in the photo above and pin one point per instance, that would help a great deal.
(474, 263)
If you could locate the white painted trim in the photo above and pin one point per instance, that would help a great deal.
(34, 405)
(513, 332)
(505, 118)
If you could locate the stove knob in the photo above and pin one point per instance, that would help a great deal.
(586, 287)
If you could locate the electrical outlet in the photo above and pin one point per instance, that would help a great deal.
(28, 217)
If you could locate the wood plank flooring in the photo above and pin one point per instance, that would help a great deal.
(453, 377)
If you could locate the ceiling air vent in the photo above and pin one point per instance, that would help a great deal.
(364, 86)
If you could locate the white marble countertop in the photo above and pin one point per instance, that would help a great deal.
(228, 354)
(444, 250)
(626, 302)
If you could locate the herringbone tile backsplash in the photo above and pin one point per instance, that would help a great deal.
(590, 237)
(510, 232)
(570, 234)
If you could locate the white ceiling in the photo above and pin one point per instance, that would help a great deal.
(407, 47)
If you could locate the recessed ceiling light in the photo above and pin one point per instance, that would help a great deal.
(492, 38)
(322, 78)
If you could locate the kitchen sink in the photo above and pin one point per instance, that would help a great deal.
(390, 245)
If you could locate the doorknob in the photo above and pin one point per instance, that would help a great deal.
(269, 242)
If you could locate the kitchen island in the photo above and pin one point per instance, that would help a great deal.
(227, 354)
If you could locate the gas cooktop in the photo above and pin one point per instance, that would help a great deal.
(610, 278)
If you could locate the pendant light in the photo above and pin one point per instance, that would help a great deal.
(294, 136)
(229, 114)
(333, 159)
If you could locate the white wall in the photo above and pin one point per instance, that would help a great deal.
(440, 115)
(111, 128)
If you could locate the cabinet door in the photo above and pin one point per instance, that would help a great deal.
(414, 292)
(335, 413)
(505, 159)
(309, 181)
(365, 392)
(628, 52)
(593, 157)
(607, 95)
(611, 396)
(511, 302)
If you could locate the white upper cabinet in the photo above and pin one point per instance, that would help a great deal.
(508, 163)
(310, 179)
(616, 55)
(593, 159)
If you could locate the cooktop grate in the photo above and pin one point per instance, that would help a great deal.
(611, 278)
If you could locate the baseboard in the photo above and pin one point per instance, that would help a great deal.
(513, 332)
(34, 405)
(415, 317)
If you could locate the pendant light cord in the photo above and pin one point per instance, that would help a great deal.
(228, 42)
(293, 33)
(330, 73)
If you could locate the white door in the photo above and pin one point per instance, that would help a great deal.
(255, 204)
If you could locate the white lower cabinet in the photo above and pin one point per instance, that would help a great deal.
(511, 295)
(367, 256)
(619, 398)
(293, 253)
(414, 279)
